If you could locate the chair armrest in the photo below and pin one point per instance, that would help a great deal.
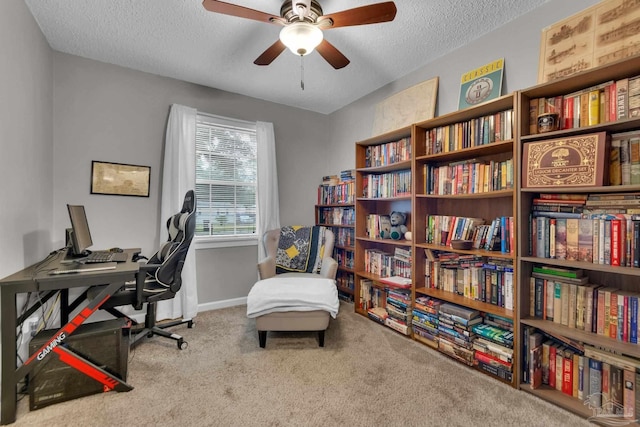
(329, 268)
(267, 268)
(141, 277)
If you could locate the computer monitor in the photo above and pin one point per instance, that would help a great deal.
(80, 235)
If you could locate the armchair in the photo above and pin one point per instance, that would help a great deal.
(296, 290)
(160, 278)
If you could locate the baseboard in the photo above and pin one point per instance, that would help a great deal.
(216, 305)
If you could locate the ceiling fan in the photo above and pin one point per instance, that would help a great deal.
(303, 22)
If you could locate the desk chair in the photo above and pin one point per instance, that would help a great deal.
(162, 277)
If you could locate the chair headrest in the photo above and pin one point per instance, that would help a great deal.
(189, 204)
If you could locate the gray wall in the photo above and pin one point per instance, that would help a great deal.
(61, 111)
(518, 42)
(110, 113)
(26, 139)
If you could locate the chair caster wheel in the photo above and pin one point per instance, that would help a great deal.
(182, 345)
(190, 324)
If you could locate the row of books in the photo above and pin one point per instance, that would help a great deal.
(472, 133)
(339, 193)
(607, 102)
(624, 158)
(385, 264)
(478, 278)
(605, 381)
(485, 341)
(575, 303)
(608, 239)
(391, 184)
(391, 308)
(371, 296)
(345, 236)
(345, 281)
(388, 153)
(337, 215)
(468, 177)
(345, 176)
(345, 258)
(496, 236)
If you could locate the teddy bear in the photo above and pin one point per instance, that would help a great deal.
(398, 227)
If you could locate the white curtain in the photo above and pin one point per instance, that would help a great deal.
(179, 176)
(268, 201)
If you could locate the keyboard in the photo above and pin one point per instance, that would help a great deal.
(82, 268)
(106, 256)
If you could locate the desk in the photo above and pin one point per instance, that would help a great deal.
(36, 279)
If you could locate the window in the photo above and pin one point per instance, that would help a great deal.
(226, 171)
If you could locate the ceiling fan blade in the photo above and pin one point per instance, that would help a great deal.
(240, 11)
(371, 14)
(332, 55)
(270, 54)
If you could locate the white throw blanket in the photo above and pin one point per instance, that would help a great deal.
(278, 294)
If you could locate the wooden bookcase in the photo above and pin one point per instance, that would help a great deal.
(375, 205)
(336, 210)
(340, 218)
(486, 202)
(623, 278)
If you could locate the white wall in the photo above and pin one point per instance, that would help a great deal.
(26, 139)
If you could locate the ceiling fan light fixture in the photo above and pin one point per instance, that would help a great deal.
(301, 37)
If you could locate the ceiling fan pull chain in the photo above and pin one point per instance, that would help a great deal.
(302, 72)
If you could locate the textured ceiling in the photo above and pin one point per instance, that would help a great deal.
(180, 39)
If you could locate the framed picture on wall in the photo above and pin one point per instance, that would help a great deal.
(120, 179)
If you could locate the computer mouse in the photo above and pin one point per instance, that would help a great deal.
(115, 250)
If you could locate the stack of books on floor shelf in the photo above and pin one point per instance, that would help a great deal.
(473, 338)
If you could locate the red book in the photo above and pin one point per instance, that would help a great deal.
(613, 116)
(552, 366)
(567, 374)
(567, 117)
(616, 244)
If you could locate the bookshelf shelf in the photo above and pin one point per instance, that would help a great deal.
(466, 153)
(469, 303)
(626, 348)
(478, 252)
(619, 281)
(486, 195)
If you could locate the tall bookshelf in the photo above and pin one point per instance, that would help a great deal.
(335, 209)
(383, 185)
(464, 172)
(623, 278)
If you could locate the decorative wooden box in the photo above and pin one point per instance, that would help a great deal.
(573, 161)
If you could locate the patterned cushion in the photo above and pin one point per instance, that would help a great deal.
(300, 249)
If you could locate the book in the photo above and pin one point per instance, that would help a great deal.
(561, 238)
(559, 271)
(535, 367)
(622, 98)
(572, 239)
(595, 382)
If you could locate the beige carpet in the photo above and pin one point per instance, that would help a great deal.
(366, 375)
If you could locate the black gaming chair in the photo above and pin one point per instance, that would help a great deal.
(160, 278)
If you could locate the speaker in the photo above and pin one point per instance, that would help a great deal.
(105, 344)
